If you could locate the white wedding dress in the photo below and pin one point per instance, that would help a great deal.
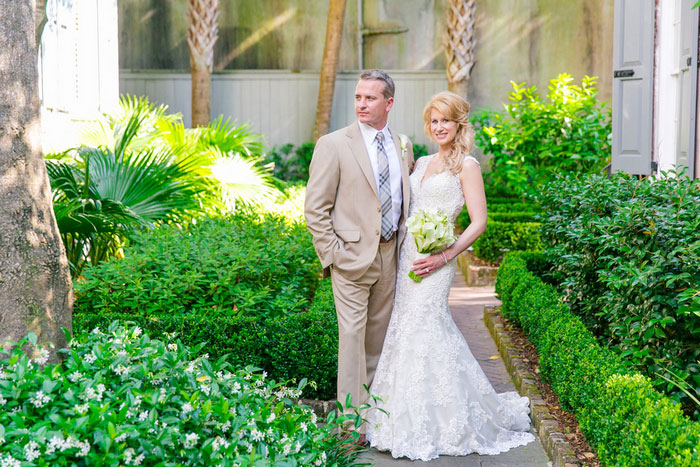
(437, 398)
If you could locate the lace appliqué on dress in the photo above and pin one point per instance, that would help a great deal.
(439, 401)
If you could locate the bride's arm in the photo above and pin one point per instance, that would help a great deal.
(473, 189)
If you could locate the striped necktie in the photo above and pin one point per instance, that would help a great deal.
(384, 187)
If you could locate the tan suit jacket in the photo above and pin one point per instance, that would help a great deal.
(342, 207)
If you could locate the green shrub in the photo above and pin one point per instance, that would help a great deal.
(291, 163)
(242, 284)
(535, 140)
(242, 264)
(419, 150)
(501, 237)
(120, 398)
(627, 253)
(289, 347)
(622, 416)
(510, 206)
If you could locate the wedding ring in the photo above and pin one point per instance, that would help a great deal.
(427, 269)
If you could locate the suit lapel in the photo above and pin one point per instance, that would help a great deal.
(406, 184)
(359, 151)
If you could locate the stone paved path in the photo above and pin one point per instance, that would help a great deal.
(467, 306)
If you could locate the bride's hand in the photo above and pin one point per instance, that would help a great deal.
(426, 266)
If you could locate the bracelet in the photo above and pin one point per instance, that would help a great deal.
(443, 257)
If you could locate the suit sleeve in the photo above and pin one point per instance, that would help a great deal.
(321, 192)
(411, 160)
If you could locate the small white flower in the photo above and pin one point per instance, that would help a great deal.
(82, 408)
(220, 442)
(137, 331)
(40, 399)
(42, 358)
(75, 376)
(3, 401)
(271, 418)
(120, 438)
(121, 370)
(172, 347)
(226, 426)
(304, 427)
(90, 358)
(83, 448)
(9, 461)
(31, 451)
(143, 416)
(256, 435)
(191, 440)
(187, 408)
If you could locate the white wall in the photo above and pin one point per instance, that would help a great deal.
(281, 105)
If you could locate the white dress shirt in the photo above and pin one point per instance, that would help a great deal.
(368, 135)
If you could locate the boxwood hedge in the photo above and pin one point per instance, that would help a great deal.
(246, 285)
(622, 416)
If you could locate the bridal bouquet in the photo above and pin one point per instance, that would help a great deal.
(432, 231)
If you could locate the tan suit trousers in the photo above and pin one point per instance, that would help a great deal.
(364, 308)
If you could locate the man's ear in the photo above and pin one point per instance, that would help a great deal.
(389, 104)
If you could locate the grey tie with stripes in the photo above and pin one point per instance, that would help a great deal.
(384, 187)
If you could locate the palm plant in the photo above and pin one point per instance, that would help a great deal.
(240, 180)
(106, 194)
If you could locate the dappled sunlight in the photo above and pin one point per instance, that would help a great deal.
(241, 180)
(516, 29)
(256, 37)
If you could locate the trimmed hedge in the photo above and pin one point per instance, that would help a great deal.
(501, 237)
(294, 346)
(627, 254)
(246, 284)
(244, 263)
(629, 423)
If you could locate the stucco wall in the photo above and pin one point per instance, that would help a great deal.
(519, 40)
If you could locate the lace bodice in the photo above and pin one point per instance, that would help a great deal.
(442, 190)
(436, 397)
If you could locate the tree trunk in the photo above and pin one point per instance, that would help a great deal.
(39, 20)
(460, 44)
(201, 97)
(201, 37)
(329, 67)
(35, 284)
(458, 87)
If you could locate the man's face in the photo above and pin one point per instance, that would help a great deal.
(371, 107)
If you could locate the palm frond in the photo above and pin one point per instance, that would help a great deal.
(227, 137)
(242, 181)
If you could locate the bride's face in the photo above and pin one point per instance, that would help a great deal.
(443, 129)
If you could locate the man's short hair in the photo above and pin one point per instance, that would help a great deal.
(379, 75)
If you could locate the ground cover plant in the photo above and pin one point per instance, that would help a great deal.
(121, 398)
(246, 284)
(536, 138)
(620, 413)
(627, 254)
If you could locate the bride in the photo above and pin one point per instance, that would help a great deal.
(435, 397)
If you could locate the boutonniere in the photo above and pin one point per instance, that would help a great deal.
(403, 139)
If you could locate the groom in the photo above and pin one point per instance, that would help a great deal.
(356, 204)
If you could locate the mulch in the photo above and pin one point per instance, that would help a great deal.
(585, 453)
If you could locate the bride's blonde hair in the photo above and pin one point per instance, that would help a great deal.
(454, 108)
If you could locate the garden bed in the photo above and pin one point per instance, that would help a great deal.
(623, 417)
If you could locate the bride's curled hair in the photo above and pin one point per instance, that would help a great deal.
(454, 108)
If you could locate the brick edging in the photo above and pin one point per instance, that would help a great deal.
(550, 432)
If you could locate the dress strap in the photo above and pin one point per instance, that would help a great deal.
(474, 159)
